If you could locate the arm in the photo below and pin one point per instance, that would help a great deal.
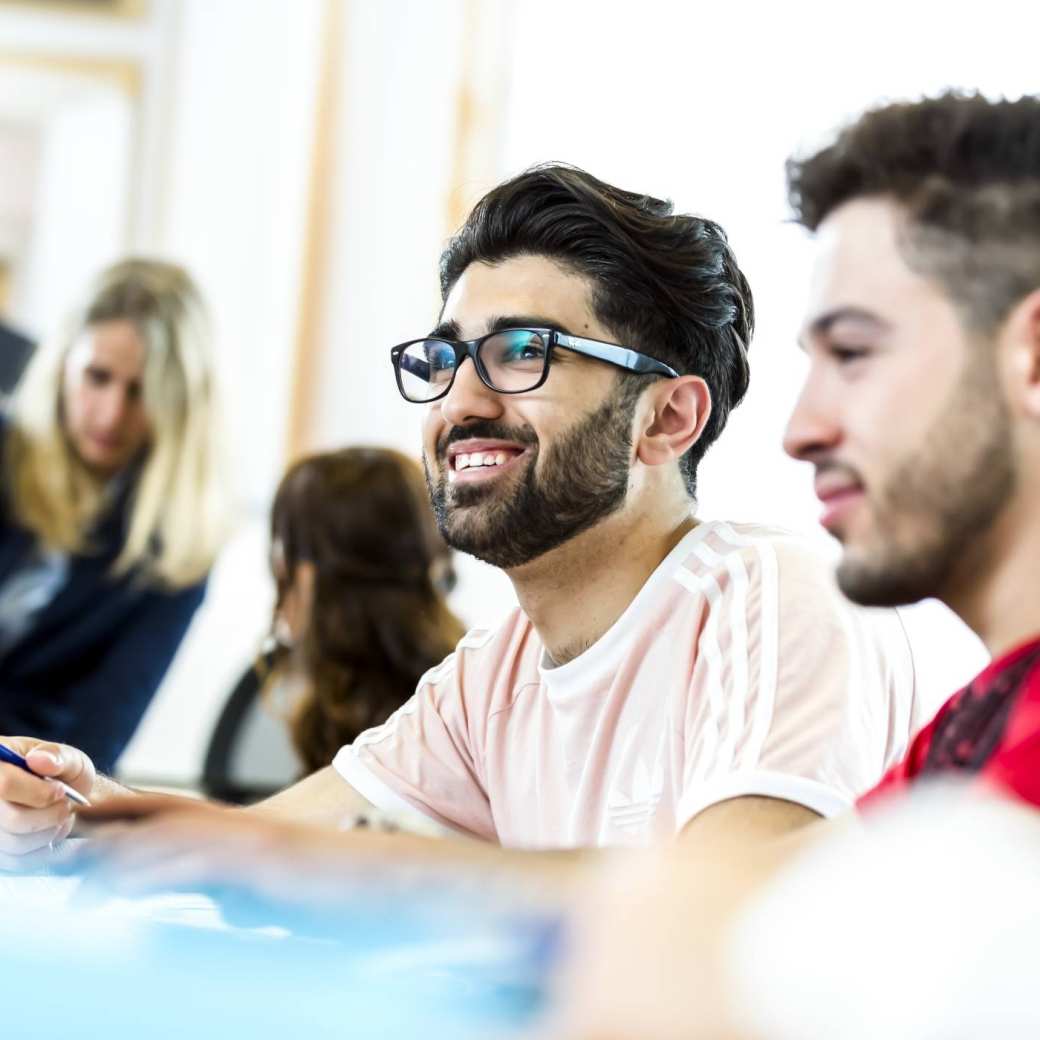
(650, 939)
(324, 798)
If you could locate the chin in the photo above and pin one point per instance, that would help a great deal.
(882, 583)
(104, 465)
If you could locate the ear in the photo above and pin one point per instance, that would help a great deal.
(677, 412)
(1020, 340)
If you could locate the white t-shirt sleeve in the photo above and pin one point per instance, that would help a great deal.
(423, 759)
(796, 694)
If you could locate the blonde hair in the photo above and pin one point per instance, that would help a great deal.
(178, 509)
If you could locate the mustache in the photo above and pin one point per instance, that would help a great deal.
(825, 467)
(486, 430)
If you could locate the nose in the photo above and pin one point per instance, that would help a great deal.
(112, 408)
(814, 428)
(469, 399)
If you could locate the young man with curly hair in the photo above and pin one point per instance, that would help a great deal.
(921, 417)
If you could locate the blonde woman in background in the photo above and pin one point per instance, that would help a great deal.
(111, 508)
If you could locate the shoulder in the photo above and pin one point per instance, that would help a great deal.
(788, 585)
(489, 659)
(727, 555)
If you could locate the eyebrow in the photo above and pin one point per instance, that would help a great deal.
(825, 322)
(501, 322)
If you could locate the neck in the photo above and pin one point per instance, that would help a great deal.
(995, 589)
(574, 593)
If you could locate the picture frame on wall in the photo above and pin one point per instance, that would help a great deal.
(69, 153)
(102, 8)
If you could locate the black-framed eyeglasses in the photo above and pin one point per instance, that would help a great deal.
(510, 361)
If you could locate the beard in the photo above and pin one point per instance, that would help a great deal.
(583, 478)
(936, 506)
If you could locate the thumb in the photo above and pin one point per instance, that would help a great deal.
(64, 763)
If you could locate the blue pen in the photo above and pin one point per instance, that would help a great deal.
(14, 759)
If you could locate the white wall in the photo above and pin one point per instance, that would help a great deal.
(84, 179)
(240, 124)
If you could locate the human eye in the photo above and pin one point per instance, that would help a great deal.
(439, 355)
(517, 346)
(845, 354)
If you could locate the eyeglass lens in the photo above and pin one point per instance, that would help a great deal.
(513, 361)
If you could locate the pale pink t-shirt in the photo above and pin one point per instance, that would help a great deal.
(738, 669)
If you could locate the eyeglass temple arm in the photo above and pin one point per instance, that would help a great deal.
(614, 355)
(416, 366)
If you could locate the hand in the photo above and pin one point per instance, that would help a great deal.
(34, 811)
(143, 843)
(641, 958)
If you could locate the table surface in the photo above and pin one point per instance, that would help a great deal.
(219, 964)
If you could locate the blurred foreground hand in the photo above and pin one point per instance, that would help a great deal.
(147, 843)
(919, 925)
(142, 843)
(645, 960)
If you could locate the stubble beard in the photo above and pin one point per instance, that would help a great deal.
(582, 480)
(936, 507)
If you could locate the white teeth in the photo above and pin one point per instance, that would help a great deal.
(480, 458)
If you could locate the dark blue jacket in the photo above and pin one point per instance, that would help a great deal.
(93, 657)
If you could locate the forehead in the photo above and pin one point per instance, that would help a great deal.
(521, 285)
(859, 263)
(113, 345)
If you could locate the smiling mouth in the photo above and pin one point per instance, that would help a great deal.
(472, 466)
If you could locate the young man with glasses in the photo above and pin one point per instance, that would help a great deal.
(664, 676)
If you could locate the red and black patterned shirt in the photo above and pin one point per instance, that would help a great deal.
(990, 728)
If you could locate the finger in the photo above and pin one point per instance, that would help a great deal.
(65, 829)
(63, 763)
(22, 788)
(28, 863)
(23, 844)
(18, 820)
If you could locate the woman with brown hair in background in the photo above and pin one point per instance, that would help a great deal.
(360, 615)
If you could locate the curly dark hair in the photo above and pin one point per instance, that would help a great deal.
(378, 619)
(664, 283)
(966, 172)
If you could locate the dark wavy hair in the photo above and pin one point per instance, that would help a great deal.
(966, 172)
(664, 283)
(378, 619)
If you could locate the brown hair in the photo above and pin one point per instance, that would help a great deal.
(378, 619)
(966, 171)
